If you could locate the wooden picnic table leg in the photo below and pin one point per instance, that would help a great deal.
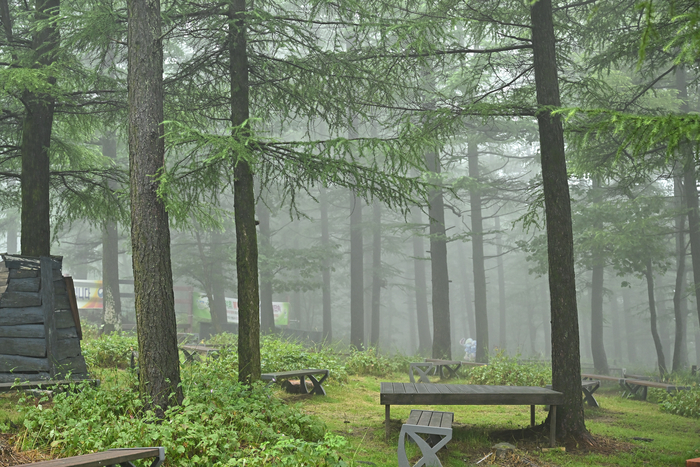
(387, 411)
(318, 388)
(302, 385)
(588, 395)
(532, 415)
(553, 426)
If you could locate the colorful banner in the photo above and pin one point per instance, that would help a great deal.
(200, 308)
(88, 294)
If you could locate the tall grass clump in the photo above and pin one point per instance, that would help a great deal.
(503, 370)
(685, 403)
(109, 350)
(221, 422)
(370, 362)
(278, 353)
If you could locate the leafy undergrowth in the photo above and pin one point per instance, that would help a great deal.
(505, 371)
(221, 422)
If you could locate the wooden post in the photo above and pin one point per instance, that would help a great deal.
(553, 427)
(532, 415)
(46, 294)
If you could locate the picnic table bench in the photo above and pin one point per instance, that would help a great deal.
(302, 375)
(427, 422)
(113, 457)
(588, 387)
(469, 394)
(636, 387)
(445, 368)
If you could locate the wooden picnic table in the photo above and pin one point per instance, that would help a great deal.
(634, 386)
(193, 352)
(302, 375)
(469, 394)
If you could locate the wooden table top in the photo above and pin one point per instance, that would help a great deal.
(466, 394)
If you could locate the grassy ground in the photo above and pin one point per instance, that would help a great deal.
(628, 432)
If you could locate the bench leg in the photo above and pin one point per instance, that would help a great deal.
(553, 426)
(318, 388)
(387, 411)
(532, 415)
(429, 452)
(588, 397)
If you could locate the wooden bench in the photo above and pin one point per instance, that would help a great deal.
(588, 387)
(302, 375)
(425, 422)
(113, 457)
(637, 387)
(445, 368)
(418, 368)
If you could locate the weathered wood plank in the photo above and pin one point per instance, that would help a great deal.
(30, 284)
(415, 394)
(19, 299)
(18, 364)
(23, 273)
(64, 319)
(75, 366)
(28, 262)
(23, 330)
(15, 316)
(111, 457)
(61, 302)
(66, 348)
(59, 286)
(47, 299)
(12, 377)
(70, 293)
(67, 333)
(28, 347)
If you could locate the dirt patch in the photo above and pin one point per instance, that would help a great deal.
(10, 456)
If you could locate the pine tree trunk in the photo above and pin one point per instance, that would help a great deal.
(600, 359)
(159, 382)
(480, 309)
(566, 364)
(111, 298)
(12, 234)
(442, 343)
(467, 283)
(661, 360)
(217, 305)
(244, 203)
(325, 241)
(630, 327)
(422, 318)
(267, 313)
(501, 288)
(357, 293)
(376, 272)
(616, 329)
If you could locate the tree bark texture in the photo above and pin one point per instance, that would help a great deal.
(267, 313)
(217, 305)
(425, 343)
(376, 272)
(357, 297)
(244, 204)
(442, 342)
(35, 236)
(325, 241)
(600, 359)
(566, 364)
(661, 360)
(478, 263)
(159, 382)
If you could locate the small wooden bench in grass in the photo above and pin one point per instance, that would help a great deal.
(438, 427)
(302, 375)
(194, 353)
(445, 368)
(113, 457)
(636, 387)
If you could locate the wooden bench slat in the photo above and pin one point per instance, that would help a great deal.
(104, 458)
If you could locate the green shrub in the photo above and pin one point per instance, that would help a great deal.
(220, 422)
(369, 362)
(685, 403)
(109, 351)
(503, 370)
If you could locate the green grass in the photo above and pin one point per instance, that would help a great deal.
(353, 410)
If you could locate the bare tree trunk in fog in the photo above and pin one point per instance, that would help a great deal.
(649, 274)
(616, 330)
(12, 234)
(218, 282)
(111, 299)
(467, 283)
(680, 303)
(546, 319)
(630, 327)
(600, 359)
(442, 343)
(423, 320)
(501, 288)
(357, 297)
(325, 241)
(480, 311)
(267, 312)
(376, 271)
(412, 319)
